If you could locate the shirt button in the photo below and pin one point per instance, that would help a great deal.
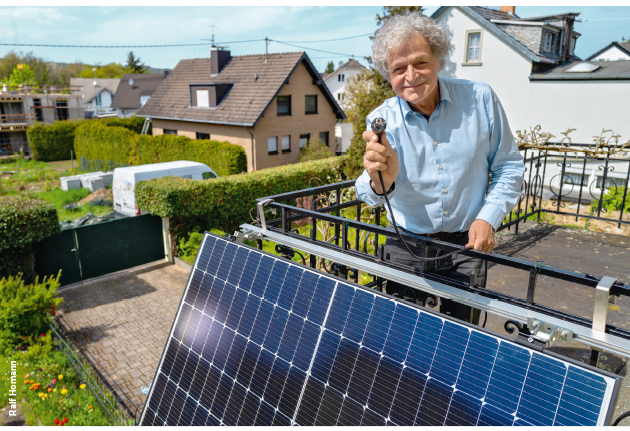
(445, 191)
(441, 167)
(445, 212)
(435, 143)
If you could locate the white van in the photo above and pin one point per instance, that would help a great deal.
(125, 180)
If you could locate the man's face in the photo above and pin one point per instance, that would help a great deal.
(413, 70)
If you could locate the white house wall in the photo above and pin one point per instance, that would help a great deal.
(336, 87)
(612, 54)
(588, 106)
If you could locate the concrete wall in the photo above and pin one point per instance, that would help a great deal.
(300, 85)
(588, 106)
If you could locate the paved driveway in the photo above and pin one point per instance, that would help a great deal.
(122, 322)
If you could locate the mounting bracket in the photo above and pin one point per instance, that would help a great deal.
(261, 212)
(247, 235)
(602, 299)
(547, 332)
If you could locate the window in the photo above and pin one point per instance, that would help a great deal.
(310, 104)
(548, 42)
(203, 98)
(61, 111)
(304, 140)
(39, 114)
(170, 132)
(285, 142)
(341, 77)
(473, 50)
(339, 96)
(575, 179)
(284, 105)
(208, 175)
(203, 135)
(272, 145)
(323, 136)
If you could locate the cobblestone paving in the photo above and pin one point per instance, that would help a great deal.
(123, 322)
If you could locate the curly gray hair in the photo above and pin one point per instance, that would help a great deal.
(399, 29)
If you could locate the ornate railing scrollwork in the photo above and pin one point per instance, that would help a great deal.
(511, 325)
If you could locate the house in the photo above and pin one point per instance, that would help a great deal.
(97, 94)
(22, 106)
(271, 105)
(134, 91)
(531, 66)
(336, 81)
(613, 52)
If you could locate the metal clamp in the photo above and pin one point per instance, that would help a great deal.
(261, 212)
(602, 298)
(247, 235)
(547, 332)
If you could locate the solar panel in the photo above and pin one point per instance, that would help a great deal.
(259, 340)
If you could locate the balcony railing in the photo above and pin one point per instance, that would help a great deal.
(71, 90)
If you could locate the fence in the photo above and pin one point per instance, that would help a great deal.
(599, 182)
(88, 165)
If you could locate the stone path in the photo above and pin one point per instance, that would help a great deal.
(122, 321)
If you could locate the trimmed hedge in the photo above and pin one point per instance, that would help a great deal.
(54, 141)
(225, 203)
(24, 220)
(97, 141)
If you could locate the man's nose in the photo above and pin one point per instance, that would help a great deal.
(411, 73)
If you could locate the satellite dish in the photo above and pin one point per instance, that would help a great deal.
(131, 82)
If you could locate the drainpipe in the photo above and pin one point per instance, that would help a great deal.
(252, 148)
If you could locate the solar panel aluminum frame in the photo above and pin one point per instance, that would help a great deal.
(612, 391)
(586, 335)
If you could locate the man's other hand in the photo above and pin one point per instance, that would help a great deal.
(380, 157)
(481, 236)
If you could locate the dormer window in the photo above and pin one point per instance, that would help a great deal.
(341, 77)
(208, 95)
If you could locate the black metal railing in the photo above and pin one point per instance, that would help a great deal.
(597, 182)
(531, 197)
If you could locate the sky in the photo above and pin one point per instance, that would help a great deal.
(308, 27)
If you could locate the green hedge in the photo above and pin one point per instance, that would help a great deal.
(54, 141)
(227, 202)
(95, 140)
(24, 219)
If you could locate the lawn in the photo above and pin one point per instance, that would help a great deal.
(59, 198)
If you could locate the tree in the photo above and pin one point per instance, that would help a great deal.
(330, 67)
(36, 64)
(22, 74)
(365, 92)
(315, 150)
(390, 11)
(111, 70)
(134, 65)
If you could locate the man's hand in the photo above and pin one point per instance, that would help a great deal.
(481, 236)
(380, 157)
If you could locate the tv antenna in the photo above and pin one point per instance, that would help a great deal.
(212, 40)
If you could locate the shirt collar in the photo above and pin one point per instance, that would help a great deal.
(444, 96)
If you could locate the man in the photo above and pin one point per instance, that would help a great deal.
(444, 137)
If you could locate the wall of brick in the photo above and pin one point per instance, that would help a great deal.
(296, 124)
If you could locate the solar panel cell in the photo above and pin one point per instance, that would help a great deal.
(279, 345)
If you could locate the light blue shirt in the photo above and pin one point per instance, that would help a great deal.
(445, 161)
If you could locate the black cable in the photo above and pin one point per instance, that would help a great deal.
(327, 40)
(485, 319)
(129, 46)
(622, 416)
(378, 127)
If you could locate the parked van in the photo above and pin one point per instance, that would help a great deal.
(125, 180)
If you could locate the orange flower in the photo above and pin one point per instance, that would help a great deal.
(32, 381)
(49, 389)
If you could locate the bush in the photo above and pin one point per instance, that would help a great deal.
(52, 141)
(25, 309)
(132, 123)
(227, 202)
(224, 158)
(315, 150)
(613, 200)
(95, 140)
(24, 219)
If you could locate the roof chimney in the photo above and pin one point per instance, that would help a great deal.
(218, 59)
(508, 9)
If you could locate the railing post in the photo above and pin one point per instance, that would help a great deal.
(166, 235)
